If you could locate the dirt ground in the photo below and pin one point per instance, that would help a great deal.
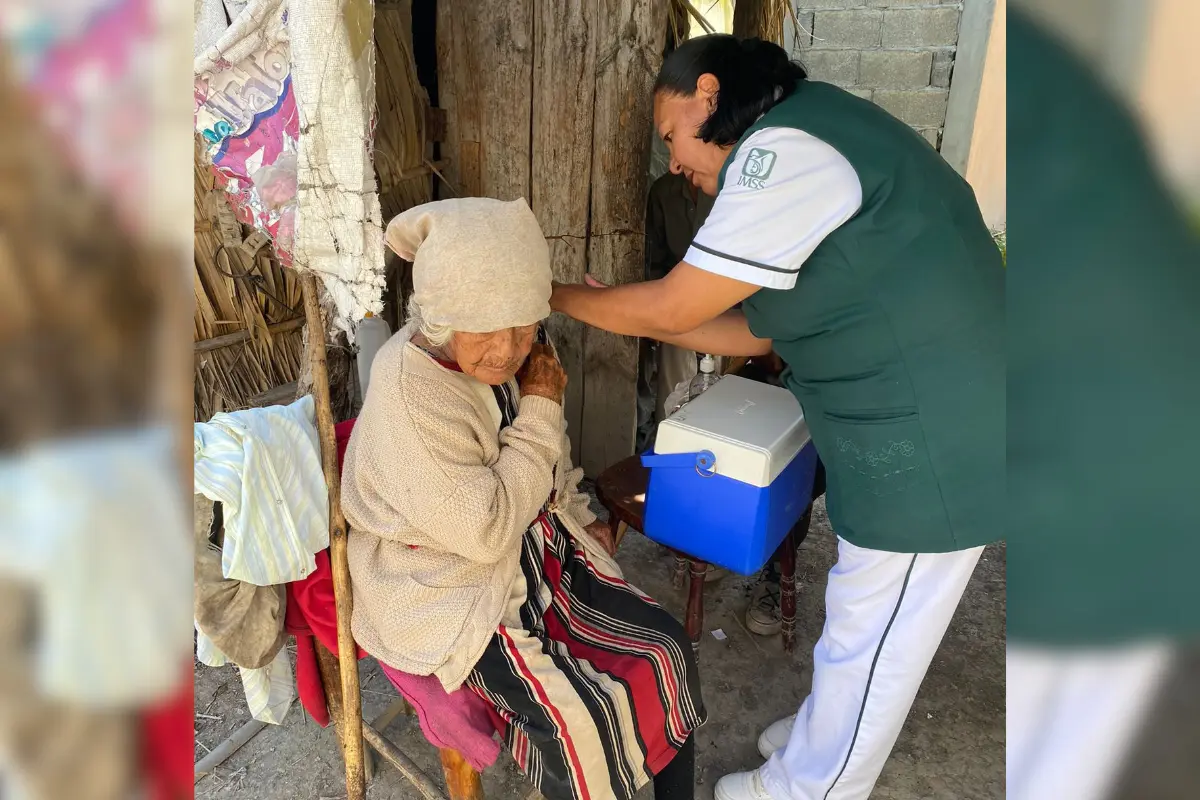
(952, 745)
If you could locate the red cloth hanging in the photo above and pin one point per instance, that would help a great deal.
(312, 617)
(166, 743)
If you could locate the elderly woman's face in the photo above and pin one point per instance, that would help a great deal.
(495, 357)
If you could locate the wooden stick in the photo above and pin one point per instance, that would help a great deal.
(228, 747)
(279, 395)
(695, 12)
(225, 340)
(403, 763)
(352, 746)
(331, 681)
(398, 708)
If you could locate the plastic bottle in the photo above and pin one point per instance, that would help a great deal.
(372, 333)
(685, 393)
(705, 378)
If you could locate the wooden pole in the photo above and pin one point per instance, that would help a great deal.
(352, 743)
(225, 749)
(331, 681)
(227, 339)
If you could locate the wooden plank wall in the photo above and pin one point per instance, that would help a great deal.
(551, 100)
(485, 84)
(631, 35)
(563, 91)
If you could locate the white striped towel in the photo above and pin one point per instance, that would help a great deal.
(264, 466)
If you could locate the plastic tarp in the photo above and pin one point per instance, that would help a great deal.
(285, 100)
(245, 109)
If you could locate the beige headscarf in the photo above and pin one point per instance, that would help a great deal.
(479, 265)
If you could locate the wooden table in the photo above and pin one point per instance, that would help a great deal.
(622, 490)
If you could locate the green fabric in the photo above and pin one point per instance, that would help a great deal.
(893, 337)
(1103, 368)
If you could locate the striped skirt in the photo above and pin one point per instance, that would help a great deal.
(594, 685)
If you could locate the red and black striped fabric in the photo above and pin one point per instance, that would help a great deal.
(594, 686)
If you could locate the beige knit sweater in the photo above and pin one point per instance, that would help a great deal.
(438, 499)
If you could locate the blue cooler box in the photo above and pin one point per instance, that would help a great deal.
(731, 473)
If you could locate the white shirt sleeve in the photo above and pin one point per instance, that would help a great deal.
(784, 192)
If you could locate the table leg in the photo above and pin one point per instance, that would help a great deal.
(787, 579)
(679, 572)
(787, 595)
(694, 624)
(618, 532)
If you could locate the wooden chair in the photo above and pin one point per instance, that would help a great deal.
(622, 491)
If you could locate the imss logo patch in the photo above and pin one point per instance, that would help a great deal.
(757, 168)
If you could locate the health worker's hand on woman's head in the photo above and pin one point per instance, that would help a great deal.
(660, 309)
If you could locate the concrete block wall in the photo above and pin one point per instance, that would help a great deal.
(898, 53)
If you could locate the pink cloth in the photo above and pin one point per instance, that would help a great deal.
(460, 720)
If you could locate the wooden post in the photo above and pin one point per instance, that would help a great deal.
(352, 743)
(629, 44)
(564, 64)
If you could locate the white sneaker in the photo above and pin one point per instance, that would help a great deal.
(742, 786)
(776, 737)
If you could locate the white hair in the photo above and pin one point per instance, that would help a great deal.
(437, 334)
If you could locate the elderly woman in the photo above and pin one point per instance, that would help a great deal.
(474, 555)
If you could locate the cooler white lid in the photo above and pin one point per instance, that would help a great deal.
(754, 429)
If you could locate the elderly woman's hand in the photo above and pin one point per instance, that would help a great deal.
(542, 375)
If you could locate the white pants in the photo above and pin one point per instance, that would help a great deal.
(1071, 717)
(885, 614)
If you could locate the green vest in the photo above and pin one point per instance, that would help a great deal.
(1103, 368)
(893, 337)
